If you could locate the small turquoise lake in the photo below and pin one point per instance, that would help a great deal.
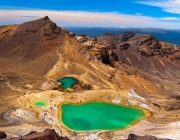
(67, 82)
(94, 116)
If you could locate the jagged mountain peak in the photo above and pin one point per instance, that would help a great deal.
(31, 39)
(40, 20)
(42, 26)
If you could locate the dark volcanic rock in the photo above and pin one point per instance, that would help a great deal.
(82, 38)
(150, 41)
(48, 134)
(124, 46)
(126, 36)
(176, 56)
(2, 135)
(176, 97)
(106, 56)
(80, 85)
(149, 46)
(146, 51)
(136, 137)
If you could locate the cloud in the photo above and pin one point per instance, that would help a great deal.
(170, 6)
(170, 19)
(86, 19)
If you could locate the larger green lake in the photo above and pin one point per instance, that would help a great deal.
(95, 116)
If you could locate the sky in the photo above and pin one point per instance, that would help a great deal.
(95, 13)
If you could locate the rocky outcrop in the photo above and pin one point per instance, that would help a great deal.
(136, 137)
(176, 56)
(106, 56)
(2, 135)
(46, 84)
(81, 38)
(126, 36)
(146, 51)
(48, 134)
(51, 30)
(150, 46)
(150, 41)
(80, 85)
(124, 46)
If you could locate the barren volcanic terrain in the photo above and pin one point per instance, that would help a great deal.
(128, 69)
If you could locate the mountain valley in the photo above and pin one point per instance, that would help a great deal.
(129, 69)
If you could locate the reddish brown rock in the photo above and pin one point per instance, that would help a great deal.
(2, 135)
(124, 46)
(126, 36)
(48, 134)
(136, 137)
(105, 55)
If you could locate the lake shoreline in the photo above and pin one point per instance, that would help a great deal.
(147, 114)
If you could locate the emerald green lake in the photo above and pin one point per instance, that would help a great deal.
(67, 82)
(94, 116)
(39, 103)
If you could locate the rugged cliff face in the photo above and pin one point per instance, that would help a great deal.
(143, 52)
(131, 69)
(142, 55)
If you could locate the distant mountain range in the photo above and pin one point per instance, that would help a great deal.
(167, 35)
